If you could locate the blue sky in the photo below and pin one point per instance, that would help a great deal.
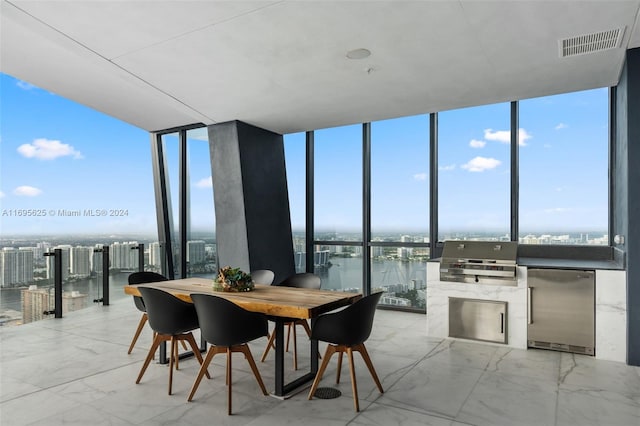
(58, 155)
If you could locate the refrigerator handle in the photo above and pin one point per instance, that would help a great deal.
(529, 313)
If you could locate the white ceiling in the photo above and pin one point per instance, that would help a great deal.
(282, 65)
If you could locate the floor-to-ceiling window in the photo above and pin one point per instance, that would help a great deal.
(186, 243)
(478, 173)
(338, 207)
(400, 210)
(564, 169)
(371, 186)
(474, 173)
(171, 148)
(201, 240)
(295, 154)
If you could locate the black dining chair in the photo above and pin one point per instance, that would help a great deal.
(346, 331)
(227, 328)
(300, 280)
(143, 277)
(262, 276)
(173, 320)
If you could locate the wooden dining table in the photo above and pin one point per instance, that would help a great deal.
(280, 303)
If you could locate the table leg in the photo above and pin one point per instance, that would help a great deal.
(163, 353)
(282, 390)
(279, 341)
(315, 347)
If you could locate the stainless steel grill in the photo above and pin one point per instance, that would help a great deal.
(479, 262)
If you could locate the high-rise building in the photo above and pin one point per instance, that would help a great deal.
(195, 252)
(321, 258)
(96, 259)
(154, 255)
(80, 262)
(35, 302)
(73, 301)
(65, 262)
(121, 255)
(16, 266)
(404, 252)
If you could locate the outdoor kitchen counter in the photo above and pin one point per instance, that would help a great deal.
(563, 263)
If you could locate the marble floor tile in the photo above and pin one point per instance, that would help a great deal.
(463, 353)
(76, 371)
(384, 415)
(534, 363)
(510, 400)
(81, 415)
(33, 407)
(590, 373)
(433, 388)
(589, 407)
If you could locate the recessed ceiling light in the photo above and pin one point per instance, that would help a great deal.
(358, 53)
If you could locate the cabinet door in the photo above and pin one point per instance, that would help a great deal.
(478, 319)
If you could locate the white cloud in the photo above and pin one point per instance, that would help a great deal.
(523, 136)
(477, 144)
(45, 149)
(25, 86)
(480, 164)
(504, 136)
(27, 191)
(447, 168)
(561, 126)
(205, 183)
(1, 194)
(420, 176)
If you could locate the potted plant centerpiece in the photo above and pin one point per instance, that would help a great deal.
(232, 280)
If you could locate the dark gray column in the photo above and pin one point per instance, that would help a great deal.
(626, 191)
(253, 223)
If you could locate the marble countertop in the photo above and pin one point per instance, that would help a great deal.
(530, 262)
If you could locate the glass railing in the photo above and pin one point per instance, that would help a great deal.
(29, 292)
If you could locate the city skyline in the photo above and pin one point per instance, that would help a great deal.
(60, 157)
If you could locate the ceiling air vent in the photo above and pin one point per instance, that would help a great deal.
(589, 43)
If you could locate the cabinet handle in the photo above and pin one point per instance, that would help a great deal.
(501, 323)
(529, 313)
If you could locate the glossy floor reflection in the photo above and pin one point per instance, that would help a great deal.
(76, 371)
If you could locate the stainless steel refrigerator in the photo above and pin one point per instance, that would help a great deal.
(561, 310)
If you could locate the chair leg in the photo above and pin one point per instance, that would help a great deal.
(286, 348)
(176, 358)
(339, 369)
(141, 324)
(196, 351)
(354, 385)
(367, 360)
(331, 349)
(229, 380)
(292, 325)
(154, 346)
(270, 344)
(171, 361)
(213, 350)
(247, 353)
